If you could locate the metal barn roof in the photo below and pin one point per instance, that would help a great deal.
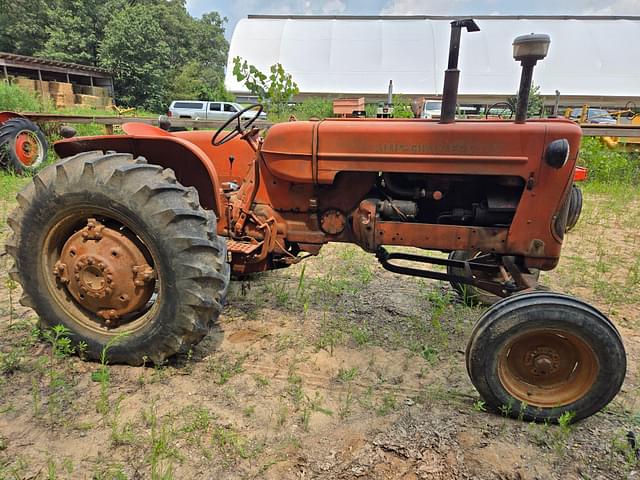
(590, 59)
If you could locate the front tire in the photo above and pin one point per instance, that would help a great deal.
(111, 246)
(575, 208)
(536, 356)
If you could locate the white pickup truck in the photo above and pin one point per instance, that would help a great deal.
(200, 110)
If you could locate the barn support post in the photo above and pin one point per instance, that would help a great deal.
(41, 86)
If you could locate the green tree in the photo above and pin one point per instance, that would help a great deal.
(274, 89)
(76, 29)
(23, 25)
(202, 77)
(536, 102)
(154, 49)
(197, 82)
(209, 45)
(134, 49)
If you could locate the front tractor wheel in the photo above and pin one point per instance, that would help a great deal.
(536, 356)
(111, 246)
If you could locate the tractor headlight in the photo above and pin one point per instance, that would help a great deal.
(557, 153)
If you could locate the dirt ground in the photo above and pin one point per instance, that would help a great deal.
(334, 368)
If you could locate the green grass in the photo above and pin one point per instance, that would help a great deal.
(15, 99)
(609, 168)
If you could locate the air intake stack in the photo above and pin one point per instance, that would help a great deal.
(452, 74)
(528, 49)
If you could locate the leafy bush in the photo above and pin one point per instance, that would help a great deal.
(199, 82)
(313, 107)
(608, 166)
(274, 89)
(15, 99)
(536, 102)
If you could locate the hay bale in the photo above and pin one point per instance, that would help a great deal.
(58, 100)
(61, 87)
(100, 92)
(86, 100)
(82, 89)
(93, 91)
(26, 83)
(42, 88)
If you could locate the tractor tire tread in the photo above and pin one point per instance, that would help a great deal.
(183, 233)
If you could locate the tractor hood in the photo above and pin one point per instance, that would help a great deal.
(314, 152)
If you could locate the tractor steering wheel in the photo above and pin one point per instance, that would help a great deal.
(239, 128)
(504, 107)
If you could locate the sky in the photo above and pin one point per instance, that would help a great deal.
(234, 10)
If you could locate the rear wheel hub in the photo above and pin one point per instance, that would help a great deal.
(28, 148)
(105, 272)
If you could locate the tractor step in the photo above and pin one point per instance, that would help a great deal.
(246, 248)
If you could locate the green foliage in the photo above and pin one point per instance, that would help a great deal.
(135, 50)
(313, 107)
(536, 102)
(15, 99)
(194, 81)
(274, 89)
(154, 49)
(401, 107)
(76, 29)
(23, 25)
(608, 166)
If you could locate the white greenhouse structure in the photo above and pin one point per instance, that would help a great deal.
(591, 60)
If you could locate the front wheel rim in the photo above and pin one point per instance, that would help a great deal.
(547, 368)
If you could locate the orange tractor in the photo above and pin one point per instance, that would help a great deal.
(139, 233)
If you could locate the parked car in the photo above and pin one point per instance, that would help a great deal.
(594, 115)
(431, 108)
(201, 110)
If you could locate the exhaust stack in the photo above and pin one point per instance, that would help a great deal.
(528, 49)
(452, 74)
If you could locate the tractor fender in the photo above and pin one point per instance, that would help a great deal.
(191, 165)
(4, 116)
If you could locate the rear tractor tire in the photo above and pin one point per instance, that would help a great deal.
(23, 146)
(121, 254)
(540, 355)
